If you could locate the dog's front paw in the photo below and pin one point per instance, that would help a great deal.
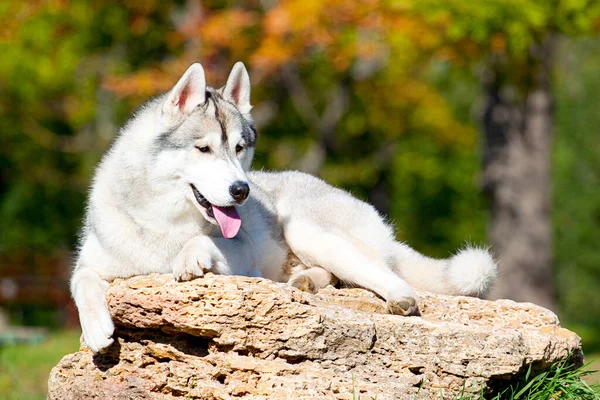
(190, 263)
(89, 292)
(98, 336)
(96, 324)
(403, 306)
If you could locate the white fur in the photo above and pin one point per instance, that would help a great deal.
(193, 84)
(472, 271)
(328, 228)
(143, 216)
(237, 88)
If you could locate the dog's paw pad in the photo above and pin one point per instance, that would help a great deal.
(304, 283)
(402, 306)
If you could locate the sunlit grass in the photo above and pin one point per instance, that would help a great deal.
(24, 369)
(559, 382)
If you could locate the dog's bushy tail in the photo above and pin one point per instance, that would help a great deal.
(470, 272)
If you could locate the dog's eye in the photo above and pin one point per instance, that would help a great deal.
(203, 149)
(239, 148)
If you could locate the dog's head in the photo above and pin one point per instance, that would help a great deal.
(206, 143)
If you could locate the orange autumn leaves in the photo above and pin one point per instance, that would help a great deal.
(292, 31)
(382, 48)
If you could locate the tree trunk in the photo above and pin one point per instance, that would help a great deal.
(517, 125)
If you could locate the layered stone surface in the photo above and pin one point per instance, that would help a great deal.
(222, 337)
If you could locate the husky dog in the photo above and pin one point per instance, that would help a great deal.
(174, 195)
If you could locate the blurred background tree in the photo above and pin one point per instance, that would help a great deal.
(395, 101)
(515, 43)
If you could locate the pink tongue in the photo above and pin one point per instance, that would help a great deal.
(228, 219)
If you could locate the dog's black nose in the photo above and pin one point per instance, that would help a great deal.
(239, 190)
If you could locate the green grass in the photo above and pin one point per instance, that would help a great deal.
(24, 369)
(560, 382)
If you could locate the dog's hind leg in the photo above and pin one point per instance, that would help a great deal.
(312, 279)
(89, 292)
(337, 254)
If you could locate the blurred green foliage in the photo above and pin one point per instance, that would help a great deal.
(72, 71)
(54, 57)
(576, 165)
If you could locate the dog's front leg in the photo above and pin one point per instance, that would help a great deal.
(89, 293)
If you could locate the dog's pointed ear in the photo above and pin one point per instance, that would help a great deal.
(237, 88)
(187, 94)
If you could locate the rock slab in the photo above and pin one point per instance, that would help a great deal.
(224, 337)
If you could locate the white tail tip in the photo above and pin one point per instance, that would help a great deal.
(472, 271)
